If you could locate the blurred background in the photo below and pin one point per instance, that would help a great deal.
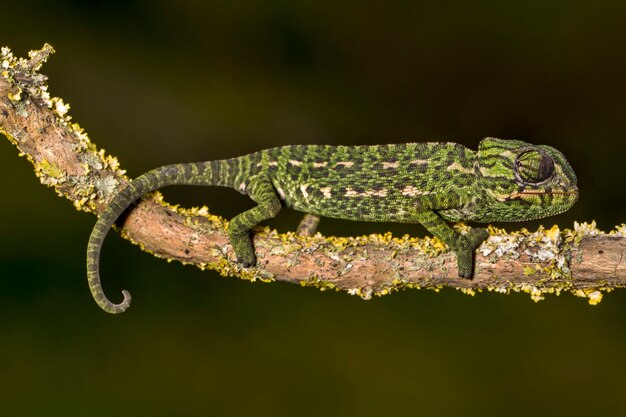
(157, 82)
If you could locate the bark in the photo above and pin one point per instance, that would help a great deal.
(584, 261)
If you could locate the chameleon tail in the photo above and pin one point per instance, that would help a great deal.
(200, 173)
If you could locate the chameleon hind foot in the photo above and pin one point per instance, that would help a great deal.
(465, 253)
(261, 190)
(244, 250)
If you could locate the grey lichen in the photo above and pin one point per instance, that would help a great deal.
(549, 250)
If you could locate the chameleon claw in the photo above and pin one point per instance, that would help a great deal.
(246, 264)
(246, 261)
(466, 274)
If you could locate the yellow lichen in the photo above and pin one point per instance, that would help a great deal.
(529, 270)
(17, 96)
(468, 291)
(536, 294)
(49, 169)
(620, 230)
(318, 283)
(554, 234)
(594, 296)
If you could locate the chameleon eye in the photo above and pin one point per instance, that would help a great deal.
(533, 167)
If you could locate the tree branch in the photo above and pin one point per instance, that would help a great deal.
(584, 261)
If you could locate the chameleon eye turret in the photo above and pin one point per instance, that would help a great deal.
(533, 166)
(427, 183)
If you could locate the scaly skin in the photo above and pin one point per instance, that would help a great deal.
(427, 183)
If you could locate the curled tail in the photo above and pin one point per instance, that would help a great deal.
(200, 173)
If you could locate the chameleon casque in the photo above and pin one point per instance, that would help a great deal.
(427, 183)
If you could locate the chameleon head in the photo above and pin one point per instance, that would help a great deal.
(520, 181)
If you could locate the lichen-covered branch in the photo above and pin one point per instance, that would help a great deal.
(584, 261)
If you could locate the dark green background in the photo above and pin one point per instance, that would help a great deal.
(156, 82)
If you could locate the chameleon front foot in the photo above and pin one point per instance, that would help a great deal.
(465, 253)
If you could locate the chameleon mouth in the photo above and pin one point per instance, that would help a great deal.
(519, 194)
(548, 192)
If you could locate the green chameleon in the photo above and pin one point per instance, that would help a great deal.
(427, 183)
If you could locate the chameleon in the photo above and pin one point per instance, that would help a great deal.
(431, 183)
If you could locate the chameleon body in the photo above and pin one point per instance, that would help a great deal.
(427, 183)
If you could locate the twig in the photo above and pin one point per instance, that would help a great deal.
(584, 261)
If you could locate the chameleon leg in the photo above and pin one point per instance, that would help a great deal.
(462, 245)
(262, 191)
(308, 225)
